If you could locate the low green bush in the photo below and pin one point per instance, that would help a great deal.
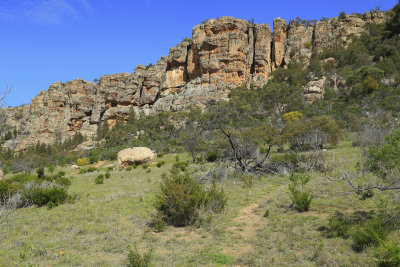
(41, 195)
(180, 165)
(99, 179)
(160, 164)
(160, 155)
(63, 181)
(212, 156)
(129, 168)
(216, 199)
(182, 200)
(5, 170)
(40, 172)
(107, 175)
(145, 166)
(300, 196)
(370, 234)
(158, 225)
(339, 225)
(388, 255)
(137, 259)
(93, 159)
(91, 169)
(51, 168)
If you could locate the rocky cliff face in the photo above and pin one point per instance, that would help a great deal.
(222, 53)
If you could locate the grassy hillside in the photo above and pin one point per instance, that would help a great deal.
(105, 219)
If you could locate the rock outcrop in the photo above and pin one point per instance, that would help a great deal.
(314, 90)
(135, 155)
(222, 53)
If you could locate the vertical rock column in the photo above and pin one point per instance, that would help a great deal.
(280, 28)
(262, 54)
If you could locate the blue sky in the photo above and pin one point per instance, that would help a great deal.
(44, 41)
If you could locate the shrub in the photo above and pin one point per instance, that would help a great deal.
(180, 165)
(266, 213)
(211, 156)
(159, 164)
(160, 155)
(148, 170)
(176, 158)
(372, 233)
(42, 194)
(342, 15)
(339, 225)
(293, 116)
(145, 166)
(216, 199)
(5, 170)
(83, 162)
(158, 225)
(128, 168)
(93, 159)
(107, 175)
(82, 171)
(136, 259)
(63, 181)
(308, 45)
(300, 196)
(51, 205)
(91, 169)
(388, 255)
(61, 173)
(51, 168)
(182, 199)
(110, 168)
(40, 172)
(99, 179)
(384, 159)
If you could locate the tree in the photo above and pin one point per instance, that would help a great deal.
(3, 93)
(379, 169)
(192, 140)
(131, 116)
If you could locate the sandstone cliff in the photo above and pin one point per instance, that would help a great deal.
(222, 53)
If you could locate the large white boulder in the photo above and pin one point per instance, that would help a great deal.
(135, 155)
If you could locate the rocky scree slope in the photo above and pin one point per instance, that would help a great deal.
(222, 53)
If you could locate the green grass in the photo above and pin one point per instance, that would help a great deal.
(106, 219)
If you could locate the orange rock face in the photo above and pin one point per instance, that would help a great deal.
(280, 28)
(222, 53)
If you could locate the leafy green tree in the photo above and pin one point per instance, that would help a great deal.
(192, 140)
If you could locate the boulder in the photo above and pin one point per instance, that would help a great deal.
(75, 167)
(135, 155)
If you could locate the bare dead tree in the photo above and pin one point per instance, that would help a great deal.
(4, 92)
